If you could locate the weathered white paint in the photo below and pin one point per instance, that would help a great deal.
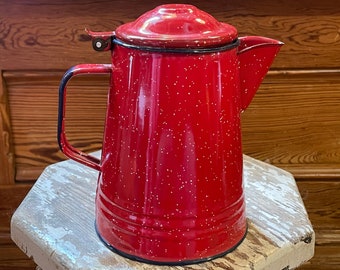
(55, 223)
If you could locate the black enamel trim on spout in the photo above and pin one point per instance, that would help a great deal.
(225, 47)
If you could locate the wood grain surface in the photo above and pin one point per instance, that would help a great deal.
(53, 32)
(279, 234)
(293, 121)
(321, 199)
(34, 123)
(6, 145)
(11, 257)
(290, 123)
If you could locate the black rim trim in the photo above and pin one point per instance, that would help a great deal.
(226, 47)
(179, 263)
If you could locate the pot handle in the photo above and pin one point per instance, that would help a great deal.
(64, 145)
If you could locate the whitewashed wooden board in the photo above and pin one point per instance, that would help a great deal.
(55, 223)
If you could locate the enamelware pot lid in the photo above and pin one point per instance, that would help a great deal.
(176, 26)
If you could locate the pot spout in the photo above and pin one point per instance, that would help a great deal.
(256, 54)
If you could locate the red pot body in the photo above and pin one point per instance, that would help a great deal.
(170, 188)
(170, 183)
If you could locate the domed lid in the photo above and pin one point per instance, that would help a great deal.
(176, 26)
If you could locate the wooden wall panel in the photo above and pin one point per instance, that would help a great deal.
(33, 102)
(6, 149)
(10, 198)
(290, 122)
(294, 122)
(322, 202)
(11, 257)
(53, 32)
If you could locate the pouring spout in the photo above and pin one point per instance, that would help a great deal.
(255, 54)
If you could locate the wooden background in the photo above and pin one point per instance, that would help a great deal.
(293, 121)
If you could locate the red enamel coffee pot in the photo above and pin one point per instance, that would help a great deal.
(170, 184)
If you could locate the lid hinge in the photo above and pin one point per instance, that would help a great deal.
(101, 41)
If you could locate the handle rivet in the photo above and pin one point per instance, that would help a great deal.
(98, 44)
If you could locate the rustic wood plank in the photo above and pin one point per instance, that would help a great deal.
(327, 257)
(55, 38)
(6, 149)
(330, 237)
(34, 123)
(321, 199)
(12, 258)
(10, 198)
(279, 233)
(294, 122)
